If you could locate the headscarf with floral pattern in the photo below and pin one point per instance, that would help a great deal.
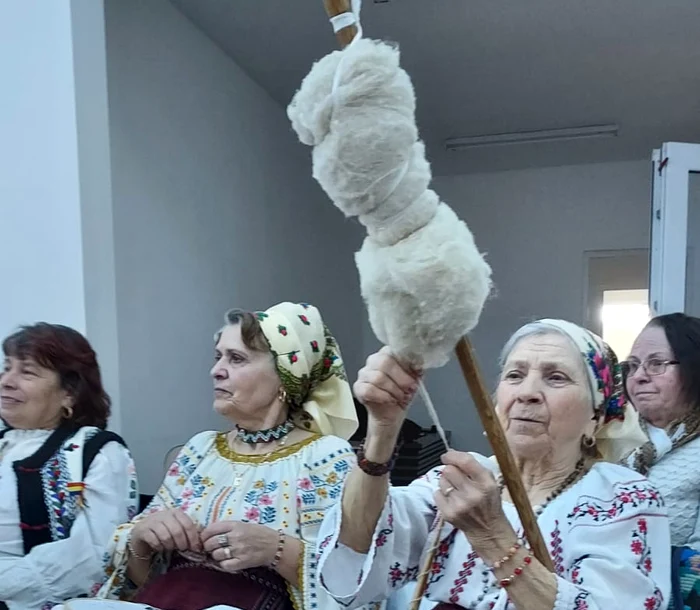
(619, 431)
(311, 369)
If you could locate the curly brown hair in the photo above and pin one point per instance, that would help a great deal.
(66, 351)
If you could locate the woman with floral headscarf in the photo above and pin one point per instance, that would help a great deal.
(561, 404)
(235, 520)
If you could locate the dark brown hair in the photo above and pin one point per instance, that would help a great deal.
(683, 335)
(67, 352)
(251, 332)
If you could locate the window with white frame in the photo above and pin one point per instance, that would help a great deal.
(675, 229)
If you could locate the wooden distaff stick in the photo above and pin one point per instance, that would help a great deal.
(335, 8)
(506, 462)
(482, 401)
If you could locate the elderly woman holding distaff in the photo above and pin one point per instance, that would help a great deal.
(560, 400)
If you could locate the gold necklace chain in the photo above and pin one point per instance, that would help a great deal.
(237, 479)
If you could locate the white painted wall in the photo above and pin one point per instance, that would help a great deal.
(56, 251)
(534, 226)
(40, 227)
(92, 123)
(214, 207)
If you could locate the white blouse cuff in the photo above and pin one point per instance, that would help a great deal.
(568, 596)
(343, 570)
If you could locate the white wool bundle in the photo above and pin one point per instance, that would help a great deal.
(426, 291)
(421, 275)
(363, 133)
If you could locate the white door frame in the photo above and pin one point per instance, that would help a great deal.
(671, 166)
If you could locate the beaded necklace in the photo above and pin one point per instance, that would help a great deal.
(575, 475)
(237, 478)
(253, 437)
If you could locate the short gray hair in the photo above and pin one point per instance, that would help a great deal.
(533, 329)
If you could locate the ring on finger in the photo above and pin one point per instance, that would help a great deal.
(222, 540)
(448, 491)
(227, 552)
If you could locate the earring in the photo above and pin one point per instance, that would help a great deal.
(67, 412)
(588, 442)
(282, 395)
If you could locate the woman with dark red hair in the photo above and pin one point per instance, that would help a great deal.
(65, 482)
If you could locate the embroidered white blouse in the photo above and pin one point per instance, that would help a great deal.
(608, 535)
(57, 571)
(289, 489)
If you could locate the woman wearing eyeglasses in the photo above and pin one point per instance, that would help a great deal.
(662, 380)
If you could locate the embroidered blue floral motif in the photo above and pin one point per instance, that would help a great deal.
(133, 508)
(198, 485)
(259, 503)
(185, 464)
(325, 486)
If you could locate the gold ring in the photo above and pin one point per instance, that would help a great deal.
(448, 491)
(227, 552)
(222, 540)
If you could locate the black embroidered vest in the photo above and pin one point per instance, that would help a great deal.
(34, 488)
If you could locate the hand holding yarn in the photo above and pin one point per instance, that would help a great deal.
(386, 388)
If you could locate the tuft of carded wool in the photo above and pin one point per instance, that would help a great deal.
(422, 277)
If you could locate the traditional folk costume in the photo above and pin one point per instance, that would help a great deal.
(289, 489)
(606, 528)
(62, 494)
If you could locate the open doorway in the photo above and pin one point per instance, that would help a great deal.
(617, 296)
(623, 315)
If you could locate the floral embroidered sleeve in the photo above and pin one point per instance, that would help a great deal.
(319, 487)
(115, 583)
(355, 579)
(619, 550)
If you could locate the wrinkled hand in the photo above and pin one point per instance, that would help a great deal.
(469, 499)
(238, 546)
(166, 530)
(386, 388)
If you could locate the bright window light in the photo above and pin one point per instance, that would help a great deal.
(624, 314)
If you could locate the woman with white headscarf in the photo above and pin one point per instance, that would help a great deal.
(563, 410)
